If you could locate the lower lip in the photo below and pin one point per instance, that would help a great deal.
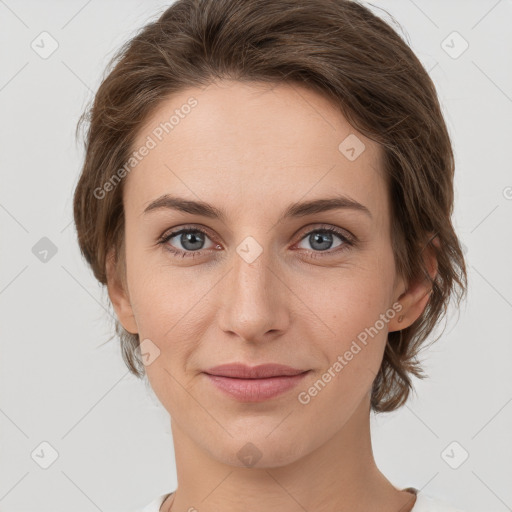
(255, 390)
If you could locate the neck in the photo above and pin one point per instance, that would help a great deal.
(340, 474)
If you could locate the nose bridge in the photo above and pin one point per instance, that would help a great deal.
(252, 302)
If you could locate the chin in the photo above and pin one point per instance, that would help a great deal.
(257, 449)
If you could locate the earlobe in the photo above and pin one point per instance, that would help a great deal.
(413, 302)
(119, 297)
(415, 299)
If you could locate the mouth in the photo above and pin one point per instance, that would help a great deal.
(254, 384)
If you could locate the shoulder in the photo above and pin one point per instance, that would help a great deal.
(426, 503)
(154, 506)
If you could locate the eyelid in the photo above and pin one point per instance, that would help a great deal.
(171, 233)
(349, 240)
(342, 232)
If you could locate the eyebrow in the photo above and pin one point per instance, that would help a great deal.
(301, 209)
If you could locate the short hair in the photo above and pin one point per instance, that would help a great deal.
(336, 48)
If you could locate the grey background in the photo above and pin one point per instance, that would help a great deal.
(60, 385)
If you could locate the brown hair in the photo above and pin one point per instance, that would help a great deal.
(337, 48)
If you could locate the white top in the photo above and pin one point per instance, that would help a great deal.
(424, 503)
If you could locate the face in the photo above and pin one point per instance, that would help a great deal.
(255, 279)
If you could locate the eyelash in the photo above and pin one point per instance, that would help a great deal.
(348, 242)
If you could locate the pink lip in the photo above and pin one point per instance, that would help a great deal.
(254, 384)
(242, 371)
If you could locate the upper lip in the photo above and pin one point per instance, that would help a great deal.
(242, 371)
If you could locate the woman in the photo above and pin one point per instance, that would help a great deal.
(267, 195)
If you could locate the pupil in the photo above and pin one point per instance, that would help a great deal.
(190, 238)
(322, 239)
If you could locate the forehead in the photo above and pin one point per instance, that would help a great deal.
(256, 142)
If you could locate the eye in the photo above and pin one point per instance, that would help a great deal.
(191, 239)
(321, 240)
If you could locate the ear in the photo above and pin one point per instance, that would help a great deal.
(118, 293)
(415, 298)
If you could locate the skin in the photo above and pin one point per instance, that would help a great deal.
(244, 146)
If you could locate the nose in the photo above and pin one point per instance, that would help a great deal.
(254, 300)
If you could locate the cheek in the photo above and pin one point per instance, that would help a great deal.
(159, 294)
(354, 309)
(351, 299)
(172, 307)
(168, 313)
(351, 352)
